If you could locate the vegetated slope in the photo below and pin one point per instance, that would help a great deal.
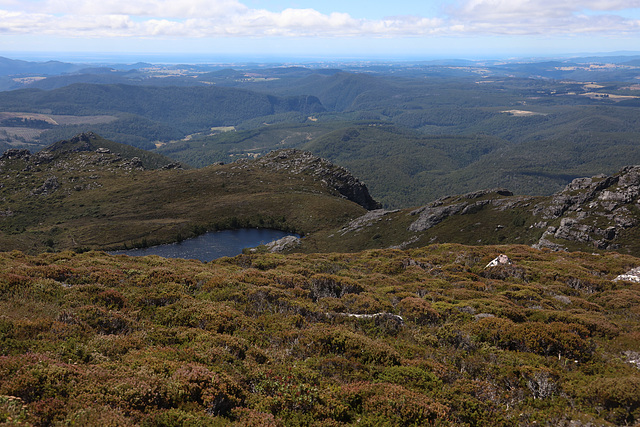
(337, 90)
(385, 337)
(202, 150)
(590, 214)
(63, 197)
(91, 142)
(346, 91)
(402, 168)
(531, 136)
(111, 76)
(182, 109)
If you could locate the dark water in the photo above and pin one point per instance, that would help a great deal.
(212, 245)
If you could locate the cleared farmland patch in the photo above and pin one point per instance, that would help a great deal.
(83, 120)
(28, 134)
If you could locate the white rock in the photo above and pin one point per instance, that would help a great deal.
(632, 275)
(499, 260)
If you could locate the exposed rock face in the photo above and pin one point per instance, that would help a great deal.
(601, 212)
(102, 152)
(135, 163)
(592, 210)
(632, 357)
(49, 186)
(499, 260)
(436, 212)
(80, 142)
(430, 216)
(336, 177)
(174, 165)
(632, 275)
(287, 242)
(365, 220)
(575, 194)
(16, 153)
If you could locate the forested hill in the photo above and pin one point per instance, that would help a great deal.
(188, 109)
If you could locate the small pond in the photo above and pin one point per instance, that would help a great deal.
(212, 245)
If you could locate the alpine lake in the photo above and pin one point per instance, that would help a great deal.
(211, 245)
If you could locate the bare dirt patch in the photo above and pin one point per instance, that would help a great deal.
(611, 97)
(83, 120)
(27, 116)
(58, 119)
(522, 113)
(28, 134)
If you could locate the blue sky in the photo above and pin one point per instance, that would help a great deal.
(331, 29)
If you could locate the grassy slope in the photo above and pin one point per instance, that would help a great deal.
(260, 339)
(102, 202)
(488, 225)
(91, 142)
(488, 219)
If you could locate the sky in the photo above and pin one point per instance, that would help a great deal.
(331, 29)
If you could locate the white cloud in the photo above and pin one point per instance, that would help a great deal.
(169, 9)
(231, 18)
(544, 17)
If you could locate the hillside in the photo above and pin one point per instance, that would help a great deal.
(73, 195)
(90, 142)
(420, 155)
(590, 214)
(152, 112)
(414, 337)
(202, 150)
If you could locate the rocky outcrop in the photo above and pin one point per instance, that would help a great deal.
(429, 216)
(439, 210)
(335, 177)
(50, 185)
(593, 211)
(16, 153)
(574, 195)
(632, 357)
(597, 213)
(499, 260)
(174, 165)
(632, 275)
(135, 163)
(79, 143)
(365, 220)
(286, 243)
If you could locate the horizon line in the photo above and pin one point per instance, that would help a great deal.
(220, 58)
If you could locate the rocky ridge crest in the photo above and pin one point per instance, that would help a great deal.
(299, 162)
(594, 210)
(597, 213)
